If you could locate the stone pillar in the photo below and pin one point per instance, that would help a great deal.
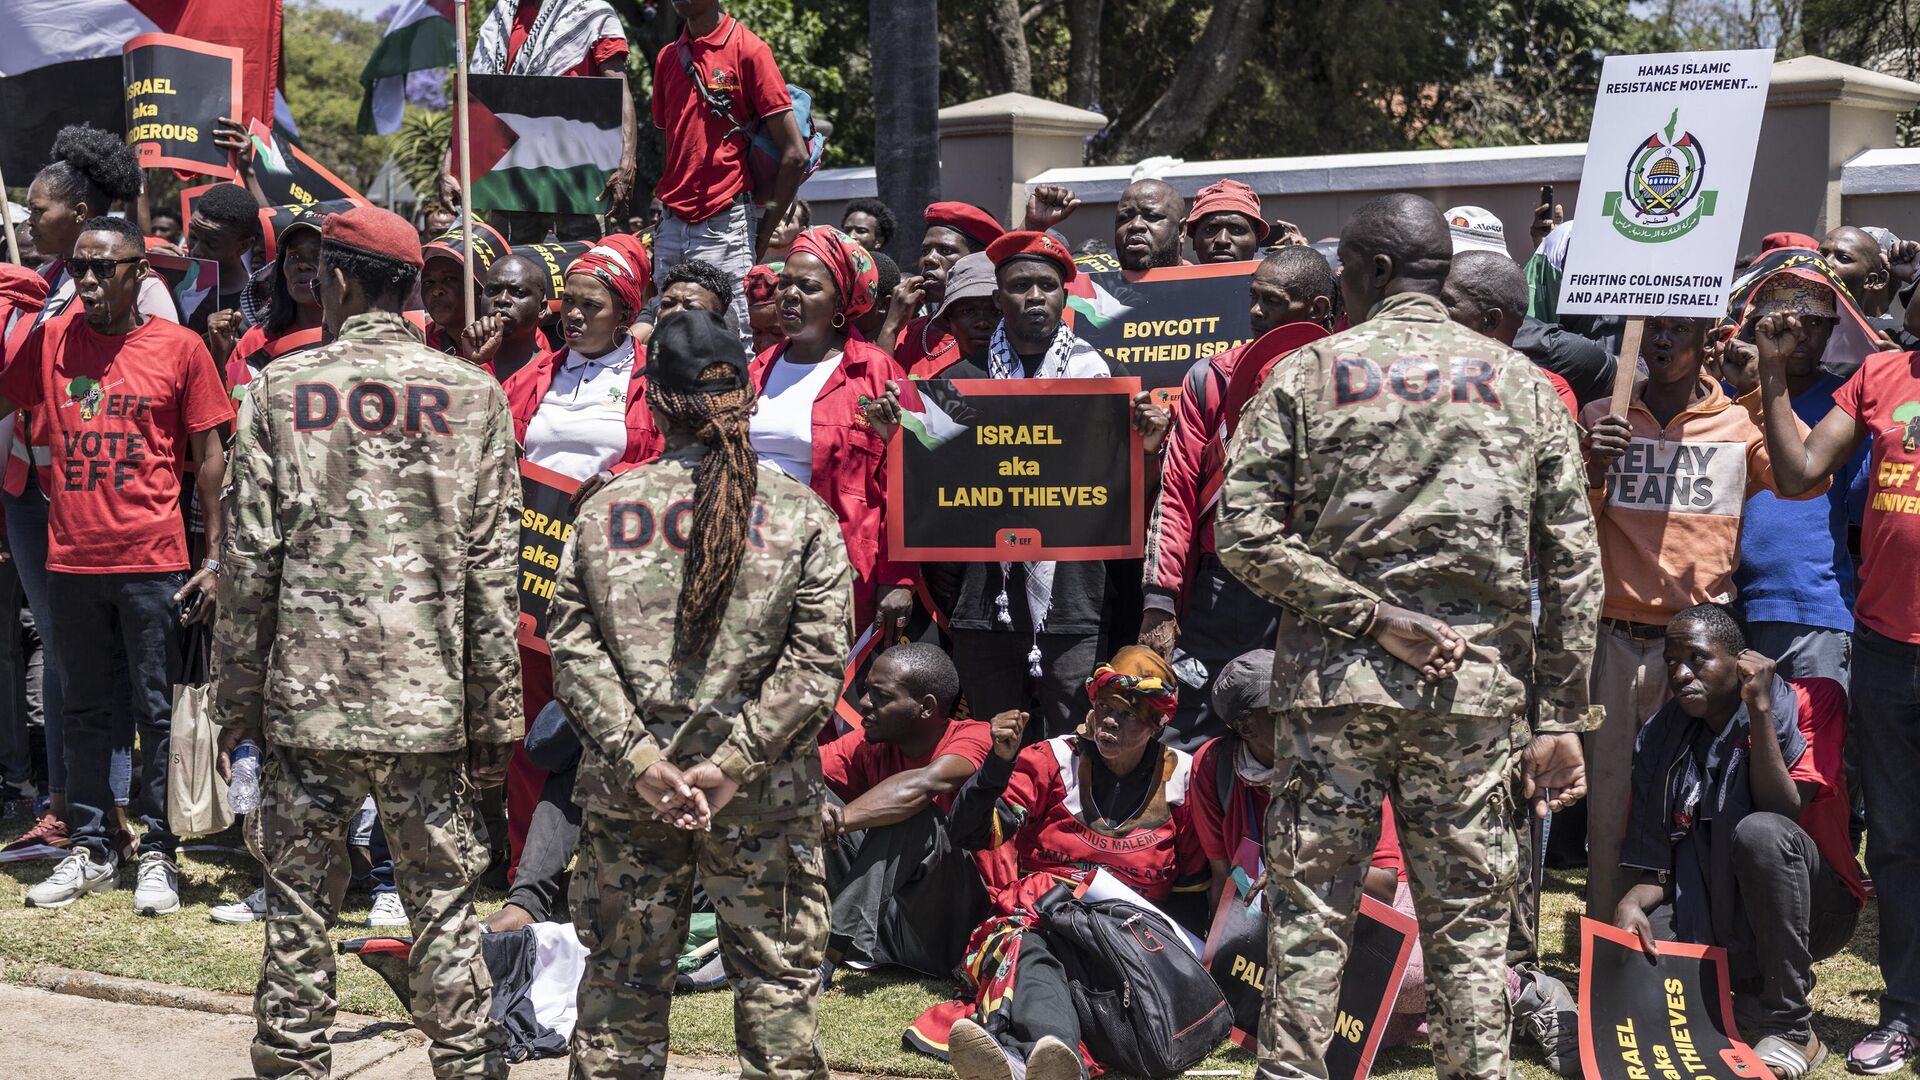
(1819, 115)
(988, 148)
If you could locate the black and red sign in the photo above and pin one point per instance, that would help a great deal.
(1383, 941)
(175, 89)
(999, 470)
(1153, 324)
(546, 524)
(1643, 1017)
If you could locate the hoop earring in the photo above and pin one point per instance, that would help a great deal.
(839, 319)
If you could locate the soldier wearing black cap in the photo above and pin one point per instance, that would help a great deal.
(698, 636)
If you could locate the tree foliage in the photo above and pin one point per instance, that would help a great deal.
(323, 51)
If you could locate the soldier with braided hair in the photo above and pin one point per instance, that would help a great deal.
(698, 633)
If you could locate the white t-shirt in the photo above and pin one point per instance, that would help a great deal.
(782, 428)
(580, 427)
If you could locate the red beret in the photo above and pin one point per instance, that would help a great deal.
(967, 220)
(1788, 240)
(1032, 245)
(376, 232)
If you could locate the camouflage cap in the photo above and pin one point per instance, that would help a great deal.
(1245, 684)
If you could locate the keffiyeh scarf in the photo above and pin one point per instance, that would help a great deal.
(562, 34)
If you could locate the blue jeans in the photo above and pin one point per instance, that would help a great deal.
(1886, 721)
(119, 684)
(27, 538)
(725, 240)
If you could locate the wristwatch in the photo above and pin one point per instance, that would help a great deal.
(211, 566)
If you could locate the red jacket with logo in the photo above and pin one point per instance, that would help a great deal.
(530, 384)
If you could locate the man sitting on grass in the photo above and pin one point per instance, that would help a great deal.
(1745, 837)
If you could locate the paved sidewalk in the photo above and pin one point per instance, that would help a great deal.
(52, 1036)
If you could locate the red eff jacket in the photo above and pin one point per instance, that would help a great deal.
(530, 384)
(1180, 529)
(850, 460)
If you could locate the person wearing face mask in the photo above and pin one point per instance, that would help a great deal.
(292, 322)
(580, 411)
(811, 418)
(1108, 797)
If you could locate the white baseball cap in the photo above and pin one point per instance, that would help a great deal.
(1476, 229)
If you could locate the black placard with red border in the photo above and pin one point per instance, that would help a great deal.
(1672, 1016)
(175, 89)
(996, 470)
(546, 524)
(1153, 324)
(1383, 941)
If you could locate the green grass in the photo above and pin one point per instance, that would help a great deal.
(860, 1019)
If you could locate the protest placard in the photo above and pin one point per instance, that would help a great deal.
(175, 89)
(194, 283)
(1663, 193)
(1670, 1016)
(1383, 940)
(546, 524)
(301, 181)
(1153, 324)
(991, 470)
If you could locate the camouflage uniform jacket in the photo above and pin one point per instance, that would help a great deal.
(1413, 461)
(369, 593)
(754, 702)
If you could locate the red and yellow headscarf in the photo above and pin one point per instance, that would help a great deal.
(1139, 673)
(855, 277)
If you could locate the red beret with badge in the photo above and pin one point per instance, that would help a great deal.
(1032, 245)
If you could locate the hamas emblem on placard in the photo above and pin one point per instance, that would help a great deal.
(1663, 197)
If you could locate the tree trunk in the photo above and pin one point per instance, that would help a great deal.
(904, 38)
(1083, 52)
(1009, 66)
(1199, 84)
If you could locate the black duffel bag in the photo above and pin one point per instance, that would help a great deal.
(1146, 1004)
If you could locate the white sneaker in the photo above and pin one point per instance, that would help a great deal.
(388, 911)
(77, 875)
(251, 909)
(156, 888)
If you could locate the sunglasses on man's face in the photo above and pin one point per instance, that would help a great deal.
(100, 268)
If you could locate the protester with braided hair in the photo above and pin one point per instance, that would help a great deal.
(698, 634)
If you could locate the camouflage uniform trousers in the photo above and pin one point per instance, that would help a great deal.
(426, 803)
(1449, 779)
(632, 894)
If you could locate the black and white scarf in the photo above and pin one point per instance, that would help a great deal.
(561, 36)
(1062, 351)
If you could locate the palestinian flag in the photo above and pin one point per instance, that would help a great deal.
(1094, 303)
(60, 63)
(942, 416)
(542, 144)
(419, 37)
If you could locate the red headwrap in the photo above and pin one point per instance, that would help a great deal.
(622, 264)
(1139, 673)
(967, 220)
(1229, 196)
(855, 277)
(761, 284)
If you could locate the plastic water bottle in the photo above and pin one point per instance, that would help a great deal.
(243, 791)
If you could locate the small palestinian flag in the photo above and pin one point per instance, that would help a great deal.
(542, 144)
(418, 37)
(943, 414)
(1099, 307)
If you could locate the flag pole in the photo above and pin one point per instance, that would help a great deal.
(6, 220)
(466, 157)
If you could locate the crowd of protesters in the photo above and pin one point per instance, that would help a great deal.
(1717, 650)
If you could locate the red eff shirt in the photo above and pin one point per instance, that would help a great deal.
(1823, 723)
(705, 168)
(1884, 398)
(118, 411)
(853, 766)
